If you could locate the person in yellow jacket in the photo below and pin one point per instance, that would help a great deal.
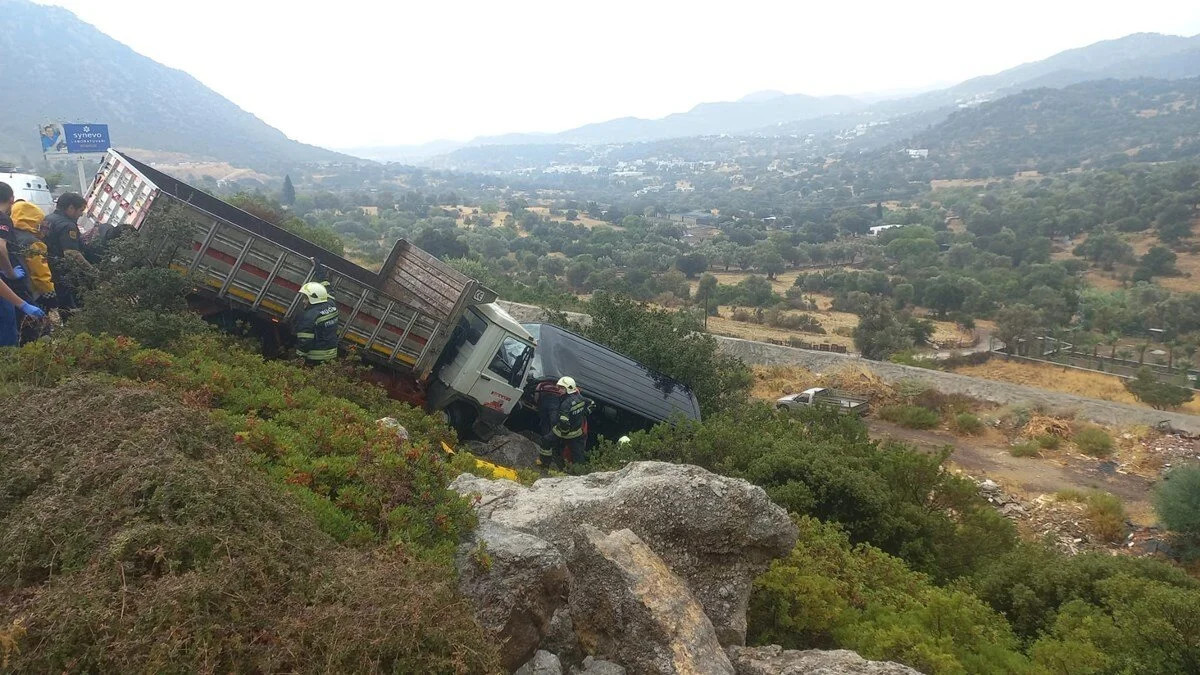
(28, 219)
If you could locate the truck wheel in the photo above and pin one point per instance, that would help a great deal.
(781, 408)
(460, 417)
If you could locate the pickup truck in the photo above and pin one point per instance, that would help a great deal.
(843, 402)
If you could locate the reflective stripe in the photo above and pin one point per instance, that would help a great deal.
(326, 318)
(304, 336)
(568, 434)
(318, 354)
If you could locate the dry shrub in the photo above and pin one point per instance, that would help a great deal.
(859, 379)
(135, 536)
(1043, 425)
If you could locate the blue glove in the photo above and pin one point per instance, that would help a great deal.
(18, 272)
(32, 310)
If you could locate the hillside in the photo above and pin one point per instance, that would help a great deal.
(1094, 123)
(146, 104)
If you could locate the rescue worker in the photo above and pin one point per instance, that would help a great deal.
(61, 234)
(317, 327)
(27, 219)
(571, 428)
(13, 274)
(548, 394)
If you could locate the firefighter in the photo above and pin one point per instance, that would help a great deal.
(317, 327)
(570, 431)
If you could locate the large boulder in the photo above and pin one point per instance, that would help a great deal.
(717, 533)
(516, 582)
(775, 660)
(542, 663)
(507, 448)
(628, 606)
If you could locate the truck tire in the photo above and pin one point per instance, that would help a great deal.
(461, 417)
(782, 408)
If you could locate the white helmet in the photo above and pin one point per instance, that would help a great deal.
(568, 384)
(315, 292)
(623, 440)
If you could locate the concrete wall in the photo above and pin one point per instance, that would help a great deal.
(764, 354)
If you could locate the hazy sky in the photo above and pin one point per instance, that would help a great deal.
(376, 72)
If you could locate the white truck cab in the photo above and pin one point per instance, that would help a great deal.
(31, 188)
(484, 379)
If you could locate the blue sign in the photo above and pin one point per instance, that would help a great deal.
(86, 137)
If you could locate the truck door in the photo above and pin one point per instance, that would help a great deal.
(499, 383)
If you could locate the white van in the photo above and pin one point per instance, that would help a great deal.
(31, 188)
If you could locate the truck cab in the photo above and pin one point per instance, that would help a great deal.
(31, 188)
(480, 379)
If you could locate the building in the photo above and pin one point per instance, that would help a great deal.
(874, 231)
(917, 153)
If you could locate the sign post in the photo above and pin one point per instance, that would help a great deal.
(74, 139)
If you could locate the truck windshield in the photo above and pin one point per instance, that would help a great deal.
(510, 360)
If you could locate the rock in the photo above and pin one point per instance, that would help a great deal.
(629, 606)
(560, 637)
(542, 663)
(775, 660)
(395, 426)
(717, 533)
(515, 583)
(507, 449)
(594, 666)
(989, 486)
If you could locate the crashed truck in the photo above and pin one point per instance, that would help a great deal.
(433, 335)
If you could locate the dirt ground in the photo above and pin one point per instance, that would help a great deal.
(987, 456)
(1054, 378)
(1129, 474)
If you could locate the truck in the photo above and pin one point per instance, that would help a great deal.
(842, 401)
(434, 336)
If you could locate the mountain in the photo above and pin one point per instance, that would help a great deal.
(1097, 123)
(405, 153)
(891, 116)
(1137, 55)
(706, 119)
(59, 68)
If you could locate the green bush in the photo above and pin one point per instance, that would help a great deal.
(819, 463)
(1094, 441)
(967, 423)
(1106, 516)
(830, 593)
(910, 416)
(1024, 449)
(1030, 583)
(1177, 501)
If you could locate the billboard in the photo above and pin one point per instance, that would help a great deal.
(64, 139)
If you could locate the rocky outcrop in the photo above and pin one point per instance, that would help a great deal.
(628, 606)
(595, 666)
(775, 660)
(717, 534)
(516, 583)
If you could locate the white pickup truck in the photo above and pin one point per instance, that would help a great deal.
(843, 402)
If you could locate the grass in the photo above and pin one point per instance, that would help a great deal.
(967, 423)
(1094, 441)
(137, 536)
(910, 416)
(1105, 513)
(1057, 378)
(1048, 441)
(1024, 449)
